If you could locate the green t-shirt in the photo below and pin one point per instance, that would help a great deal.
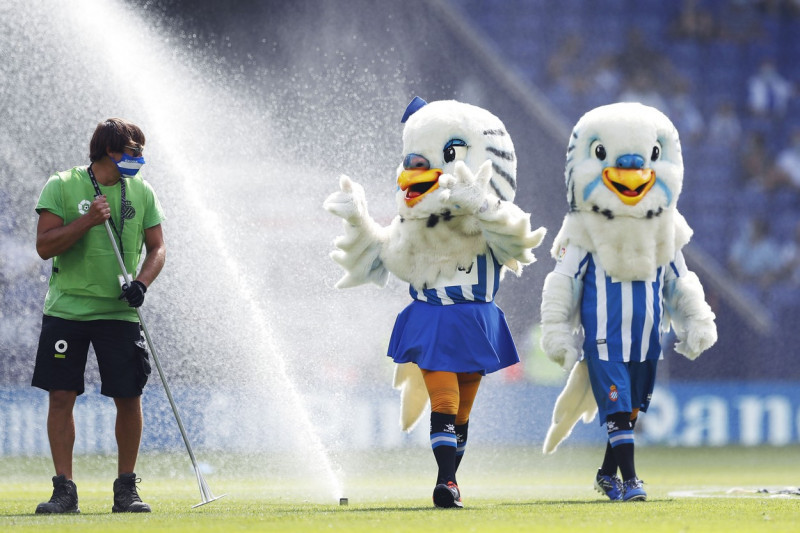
(84, 284)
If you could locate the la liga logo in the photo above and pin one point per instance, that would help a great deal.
(613, 394)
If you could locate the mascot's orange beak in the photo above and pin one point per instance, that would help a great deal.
(418, 182)
(630, 185)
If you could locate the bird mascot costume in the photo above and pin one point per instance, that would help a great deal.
(620, 280)
(455, 233)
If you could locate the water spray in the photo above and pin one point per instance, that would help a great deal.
(205, 491)
(162, 88)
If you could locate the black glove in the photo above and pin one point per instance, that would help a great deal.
(133, 293)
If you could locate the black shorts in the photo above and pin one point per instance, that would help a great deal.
(120, 347)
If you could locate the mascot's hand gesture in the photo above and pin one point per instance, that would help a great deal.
(350, 203)
(464, 190)
(559, 345)
(699, 338)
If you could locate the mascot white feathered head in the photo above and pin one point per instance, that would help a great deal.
(624, 160)
(439, 134)
(624, 175)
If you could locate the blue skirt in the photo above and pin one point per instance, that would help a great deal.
(463, 337)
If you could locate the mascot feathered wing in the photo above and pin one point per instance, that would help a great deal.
(455, 190)
(624, 174)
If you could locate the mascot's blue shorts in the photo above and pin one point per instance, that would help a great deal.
(621, 387)
(463, 337)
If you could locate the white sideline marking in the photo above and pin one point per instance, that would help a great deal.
(736, 492)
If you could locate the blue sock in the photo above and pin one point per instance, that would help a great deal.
(620, 438)
(444, 443)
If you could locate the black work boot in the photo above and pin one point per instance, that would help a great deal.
(64, 498)
(126, 498)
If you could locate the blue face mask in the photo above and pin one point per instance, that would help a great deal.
(129, 166)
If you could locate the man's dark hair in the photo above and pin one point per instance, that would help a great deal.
(114, 134)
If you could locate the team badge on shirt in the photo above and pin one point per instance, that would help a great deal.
(128, 212)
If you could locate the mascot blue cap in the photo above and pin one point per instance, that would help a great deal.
(413, 107)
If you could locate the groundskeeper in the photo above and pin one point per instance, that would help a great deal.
(87, 304)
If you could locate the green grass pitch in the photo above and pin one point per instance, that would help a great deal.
(504, 489)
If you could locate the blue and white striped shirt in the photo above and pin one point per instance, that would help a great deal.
(621, 319)
(476, 283)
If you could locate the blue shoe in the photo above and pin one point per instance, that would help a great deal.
(611, 486)
(632, 491)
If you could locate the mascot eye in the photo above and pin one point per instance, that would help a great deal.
(656, 153)
(598, 150)
(455, 150)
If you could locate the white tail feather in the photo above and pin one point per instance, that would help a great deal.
(575, 402)
(413, 394)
